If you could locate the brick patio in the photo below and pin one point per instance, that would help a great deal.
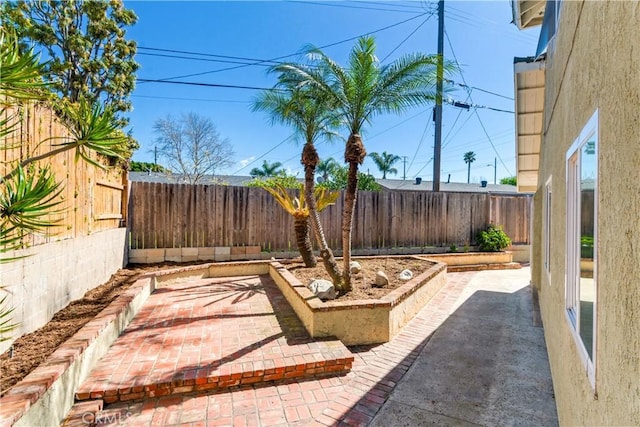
(213, 333)
(251, 334)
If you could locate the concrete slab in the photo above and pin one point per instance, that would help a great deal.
(398, 414)
(486, 364)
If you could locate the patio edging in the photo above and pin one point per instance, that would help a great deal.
(44, 393)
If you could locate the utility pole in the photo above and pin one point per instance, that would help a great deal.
(495, 169)
(404, 167)
(438, 109)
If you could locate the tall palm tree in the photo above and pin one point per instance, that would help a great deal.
(357, 93)
(267, 169)
(326, 167)
(469, 157)
(310, 116)
(385, 163)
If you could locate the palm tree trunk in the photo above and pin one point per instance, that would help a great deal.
(468, 172)
(310, 161)
(354, 155)
(301, 228)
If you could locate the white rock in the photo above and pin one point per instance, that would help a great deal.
(381, 279)
(323, 289)
(405, 275)
(355, 267)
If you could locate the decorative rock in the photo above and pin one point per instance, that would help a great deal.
(323, 289)
(381, 280)
(405, 275)
(355, 267)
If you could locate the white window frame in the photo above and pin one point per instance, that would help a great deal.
(572, 261)
(546, 229)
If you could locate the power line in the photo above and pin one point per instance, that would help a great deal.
(352, 7)
(477, 88)
(475, 110)
(192, 99)
(405, 39)
(264, 154)
(297, 53)
(224, 61)
(204, 84)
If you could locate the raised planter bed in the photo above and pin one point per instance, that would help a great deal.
(363, 321)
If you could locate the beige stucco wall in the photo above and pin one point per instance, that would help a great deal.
(594, 63)
(57, 273)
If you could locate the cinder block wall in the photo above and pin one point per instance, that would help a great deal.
(57, 273)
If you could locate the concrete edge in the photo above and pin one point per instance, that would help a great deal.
(47, 393)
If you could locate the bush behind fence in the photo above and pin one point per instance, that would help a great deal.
(183, 215)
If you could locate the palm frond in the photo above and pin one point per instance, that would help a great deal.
(20, 73)
(6, 320)
(26, 201)
(94, 128)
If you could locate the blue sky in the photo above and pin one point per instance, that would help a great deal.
(480, 37)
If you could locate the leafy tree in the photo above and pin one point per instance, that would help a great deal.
(325, 167)
(509, 180)
(146, 167)
(28, 192)
(385, 163)
(356, 94)
(268, 169)
(286, 181)
(469, 157)
(308, 113)
(85, 41)
(339, 177)
(192, 146)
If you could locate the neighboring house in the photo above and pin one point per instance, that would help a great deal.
(578, 148)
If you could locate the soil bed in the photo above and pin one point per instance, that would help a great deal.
(30, 350)
(363, 283)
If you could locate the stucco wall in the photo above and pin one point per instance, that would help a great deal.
(57, 273)
(594, 63)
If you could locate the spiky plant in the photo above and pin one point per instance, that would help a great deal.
(299, 209)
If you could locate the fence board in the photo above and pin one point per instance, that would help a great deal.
(182, 215)
(92, 198)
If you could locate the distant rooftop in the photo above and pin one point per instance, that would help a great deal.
(174, 178)
(387, 184)
(411, 185)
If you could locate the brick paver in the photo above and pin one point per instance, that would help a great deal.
(351, 399)
(211, 333)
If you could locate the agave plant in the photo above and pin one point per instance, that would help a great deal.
(26, 203)
(6, 322)
(298, 208)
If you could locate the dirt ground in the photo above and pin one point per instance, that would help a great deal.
(32, 349)
(362, 282)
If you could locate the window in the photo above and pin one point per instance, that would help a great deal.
(581, 277)
(546, 228)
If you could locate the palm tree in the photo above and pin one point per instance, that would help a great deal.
(299, 209)
(357, 93)
(469, 157)
(385, 163)
(310, 116)
(267, 169)
(326, 167)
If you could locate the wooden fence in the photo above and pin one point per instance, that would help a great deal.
(182, 215)
(92, 199)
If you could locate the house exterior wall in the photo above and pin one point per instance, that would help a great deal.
(594, 63)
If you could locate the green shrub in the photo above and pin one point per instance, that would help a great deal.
(493, 239)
